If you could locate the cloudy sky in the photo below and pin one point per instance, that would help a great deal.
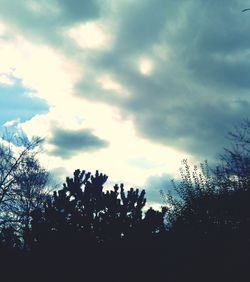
(129, 87)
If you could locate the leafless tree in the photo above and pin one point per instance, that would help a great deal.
(234, 164)
(23, 185)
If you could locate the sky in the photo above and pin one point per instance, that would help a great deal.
(128, 87)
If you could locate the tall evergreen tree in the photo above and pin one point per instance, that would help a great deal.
(83, 210)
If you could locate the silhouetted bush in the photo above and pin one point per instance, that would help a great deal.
(85, 231)
(209, 225)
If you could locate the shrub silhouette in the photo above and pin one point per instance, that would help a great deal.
(209, 223)
(205, 204)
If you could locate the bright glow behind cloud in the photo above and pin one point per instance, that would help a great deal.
(108, 83)
(89, 35)
(40, 68)
(145, 66)
(124, 145)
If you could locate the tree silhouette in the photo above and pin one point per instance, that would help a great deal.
(100, 230)
(84, 230)
(83, 210)
(234, 166)
(22, 186)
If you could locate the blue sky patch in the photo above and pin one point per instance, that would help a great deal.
(16, 104)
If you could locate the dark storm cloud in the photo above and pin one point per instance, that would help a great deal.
(75, 10)
(141, 23)
(44, 20)
(218, 50)
(193, 96)
(68, 143)
(199, 126)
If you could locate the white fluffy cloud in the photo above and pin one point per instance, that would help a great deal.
(156, 79)
(89, 35)
(126, 155)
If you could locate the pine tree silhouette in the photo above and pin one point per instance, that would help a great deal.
(83, 220)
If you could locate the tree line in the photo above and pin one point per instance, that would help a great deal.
(201, 233)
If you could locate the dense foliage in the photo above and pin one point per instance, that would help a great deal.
(84, 230)
(83, 211)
